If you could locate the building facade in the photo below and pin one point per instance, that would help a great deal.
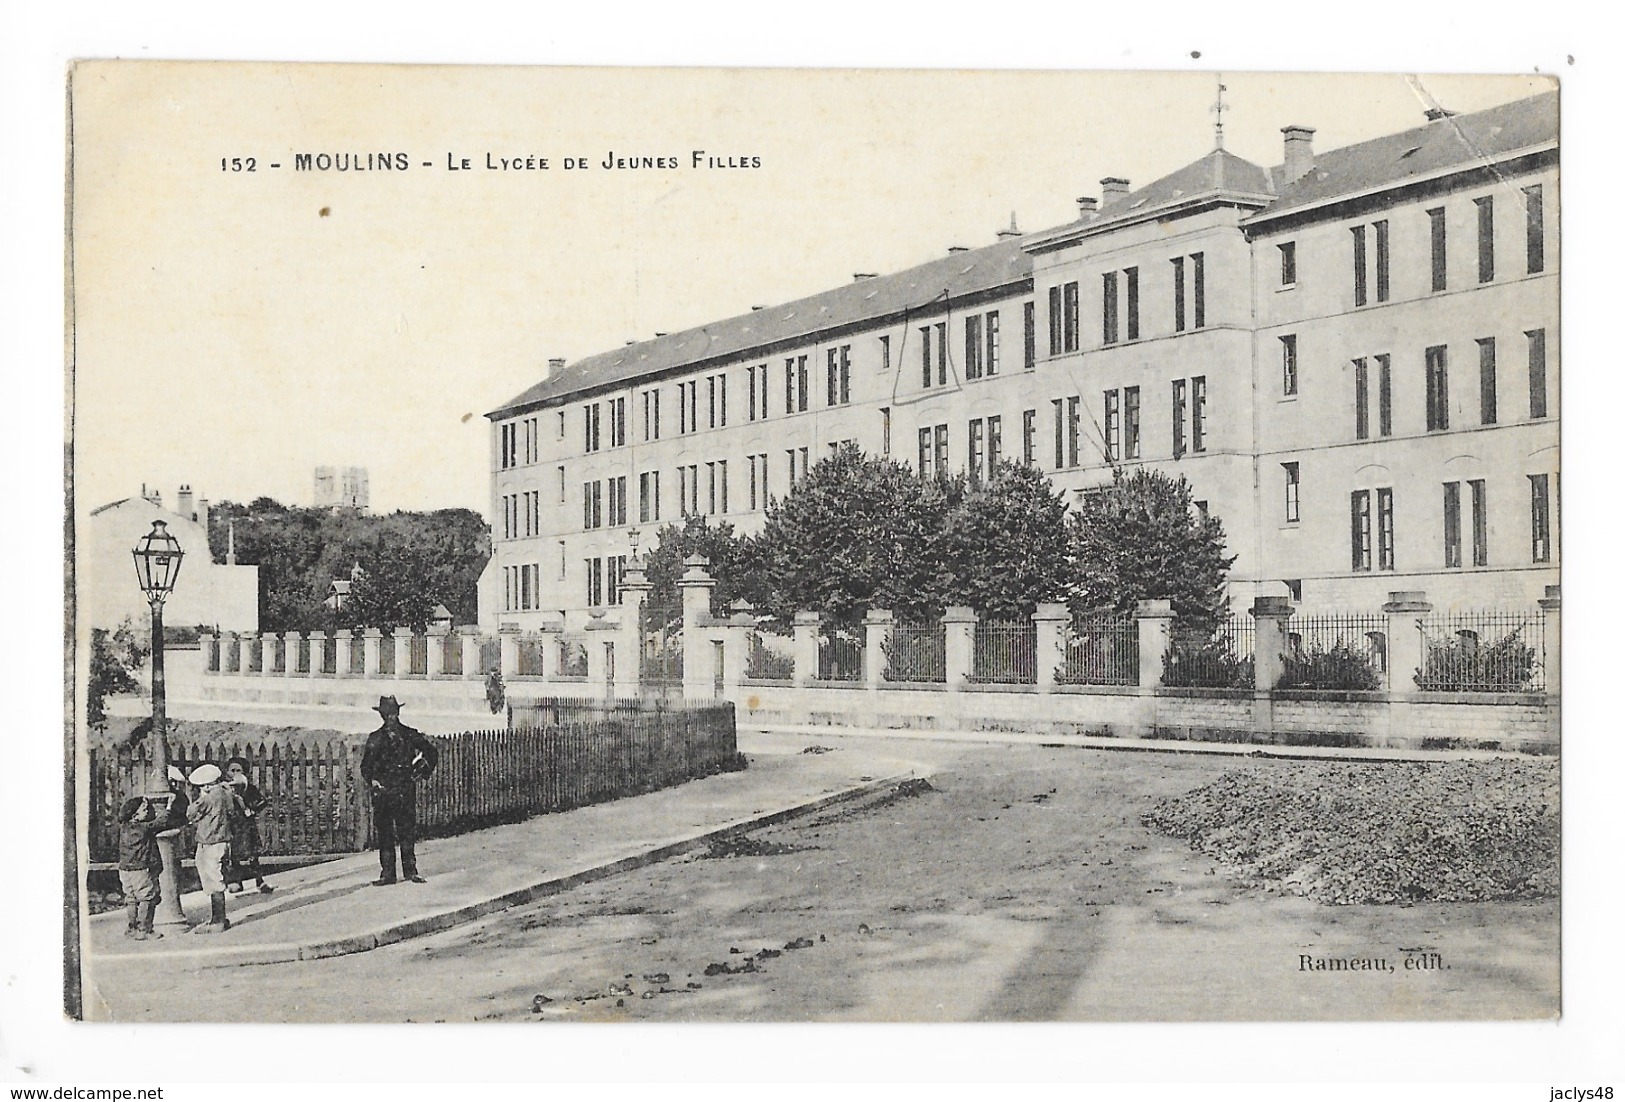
(1352, 356)
(342, 488)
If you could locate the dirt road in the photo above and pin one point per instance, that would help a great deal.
(1018, 885)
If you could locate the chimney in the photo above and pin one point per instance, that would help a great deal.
(1434, 114)
(1300, 152)
(958, 249)
(555, 363)
(1012, 231)
(857, 277)
(1088, 207)
(183, 502)
(1112, 188)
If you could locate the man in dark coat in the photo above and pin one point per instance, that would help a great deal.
(395, 759)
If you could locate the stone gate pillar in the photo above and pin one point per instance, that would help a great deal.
(804, 646)
(1404, 609)
(1270, 615)
(877, 625)
(699, 673)
(1155, 620)
(959, 637)
(1050, 622)
(1551, 606)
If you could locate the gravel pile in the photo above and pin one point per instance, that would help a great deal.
(1391, 832)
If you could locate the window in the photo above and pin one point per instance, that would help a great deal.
(1437, 240)
(564, 561)
(885, 431)
(561, 484)
(688, 490)
(1197, 313)
(688, 407)
(934, 451)
(1179, 417)
(1534, 231)
(1131, 302)
(1359, 266)
(651, 415)
(1360, 525)
(595, 581)
(838, 384)
(1537, 372)
(561, 429)
(716, 401)
(1108, 308)
(973, 347)
(1131, 422)
(1291, 472)
(617, 422)
(1486, 381)
(1067, 423)
(756, 382)
(758, 481)
(1486, 238)
(1289, 263)
(1029, 436)
(1029, 336)
(1289, 365)
(1380, 233)
(1199, 413)
(795, 454)
(885, 353)
(590, 426)
(1481, 523)
(795, 384)
(1452, 524)
(617, 500)
(1385, 529)
(509, 445)
(924, 463)
(1540, 518)
(614, 573)
(1201, 511)
(1385, 395)
(1438, 389)
(1063, 319)
(977, 438)
(1362, 400)
(716, 479)
(934, 361)
(648, 497)
(995, 442)
(592, 505)
(940, 442)
(1114, 429)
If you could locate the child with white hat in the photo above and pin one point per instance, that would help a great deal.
(215, 813)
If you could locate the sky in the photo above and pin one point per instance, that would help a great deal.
(234, 330)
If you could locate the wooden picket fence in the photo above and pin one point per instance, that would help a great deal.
(318, 801)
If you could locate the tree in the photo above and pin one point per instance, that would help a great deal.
(1007, 543)
(726, 553)
(114, 659)
(1141, 538)
(856, 533)
(395, 587)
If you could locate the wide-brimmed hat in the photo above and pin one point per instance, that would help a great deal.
(388, 705)
(207, 773)
(176, 774)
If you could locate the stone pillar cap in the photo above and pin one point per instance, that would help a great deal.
(958, 614)
(809, 616)
(879, 616)
(1272, 606)
(1052, 611)
(1152, 609)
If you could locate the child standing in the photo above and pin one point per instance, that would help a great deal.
(245, 842)
(216, 813)
(139, 863)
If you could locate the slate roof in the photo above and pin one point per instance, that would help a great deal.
(959, 273)
(1447, 143)
(1443, 144)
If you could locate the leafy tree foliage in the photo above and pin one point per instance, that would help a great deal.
(1141, 538)
(114, 659)
(695, 535)
(409, 559)
(1006, 545)
(858, 532)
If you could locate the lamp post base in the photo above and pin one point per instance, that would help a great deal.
(169, 903)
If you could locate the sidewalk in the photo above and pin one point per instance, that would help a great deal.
(332, 908)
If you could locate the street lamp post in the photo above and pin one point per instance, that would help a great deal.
(157, 563)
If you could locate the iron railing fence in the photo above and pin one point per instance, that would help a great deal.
(1005, 652)
(386, 655)
(1102, 649)
(917, 652)
(330, 654)
(1220, 659)
(1335, 650)
(765, 661)
(530, 658)
(840, 657)
(660, 659)
(1485, 651)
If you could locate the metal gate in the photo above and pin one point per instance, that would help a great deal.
(661, 659)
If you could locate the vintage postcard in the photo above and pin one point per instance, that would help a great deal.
(717, 545)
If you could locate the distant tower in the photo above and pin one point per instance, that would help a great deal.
(342, 488)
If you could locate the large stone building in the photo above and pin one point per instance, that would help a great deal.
(342, 488)
(1353, 357)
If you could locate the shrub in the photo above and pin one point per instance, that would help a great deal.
(1206, 664)
(1342, 667)
(1463, 664)
(916, 656)
(769, 664)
